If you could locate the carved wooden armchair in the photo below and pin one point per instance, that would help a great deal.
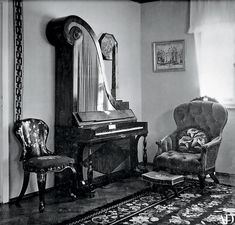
(193, 147)
(32, 134)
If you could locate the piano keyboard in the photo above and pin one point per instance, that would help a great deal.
(118, 131)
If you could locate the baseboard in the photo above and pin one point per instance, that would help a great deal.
(225, 174)
(32, 194)
(97, 182)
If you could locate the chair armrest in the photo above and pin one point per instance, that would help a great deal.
(166, 143)
(209, 153)
(213, 142)
(159, 148)
(163, 143)
(159, 144)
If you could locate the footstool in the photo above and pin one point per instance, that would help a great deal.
(163, 181)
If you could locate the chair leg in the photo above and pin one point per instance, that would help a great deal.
(214, 178)
(202, 181)
(41, 178)
(74, 184)
(24, 187)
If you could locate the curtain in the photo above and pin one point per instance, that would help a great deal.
(213, 23)
(204, 13)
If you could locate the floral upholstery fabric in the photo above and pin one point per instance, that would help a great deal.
(177, 162)
(48, 163)
(33, 133)
(33, 136)
(190, 140)
(199, 124)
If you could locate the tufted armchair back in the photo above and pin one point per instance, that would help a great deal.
(206, 115)
(32, 133)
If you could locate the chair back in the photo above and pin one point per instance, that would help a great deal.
(209, 116)
(32, 134)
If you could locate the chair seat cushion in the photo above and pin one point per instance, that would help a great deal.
(48, 163)
(178, 162)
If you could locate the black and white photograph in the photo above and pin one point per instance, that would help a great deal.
(117, 112)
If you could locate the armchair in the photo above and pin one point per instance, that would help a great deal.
(32, 134)
(193, 147)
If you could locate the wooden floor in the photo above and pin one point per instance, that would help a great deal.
(59, 207)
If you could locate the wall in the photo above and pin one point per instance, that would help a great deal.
(5, 93)
(1, 105)
(226, 158)
(161, 92)
(121, 18)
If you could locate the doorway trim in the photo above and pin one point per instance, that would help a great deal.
(4, 110)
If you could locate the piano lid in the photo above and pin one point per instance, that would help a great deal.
(99, 117)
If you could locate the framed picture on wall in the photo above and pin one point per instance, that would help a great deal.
(168, 56)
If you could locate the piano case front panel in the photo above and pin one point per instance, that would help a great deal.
(112, 160)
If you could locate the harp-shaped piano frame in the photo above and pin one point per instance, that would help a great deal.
(86, 114)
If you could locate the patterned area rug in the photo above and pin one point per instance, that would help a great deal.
(216, 205)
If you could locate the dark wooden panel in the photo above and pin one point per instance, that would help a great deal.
(113, 151)
(108, 156)
(105, 115)
(64, 86)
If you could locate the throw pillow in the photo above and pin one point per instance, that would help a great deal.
(191, 140)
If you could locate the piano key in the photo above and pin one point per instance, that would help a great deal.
(118, 131)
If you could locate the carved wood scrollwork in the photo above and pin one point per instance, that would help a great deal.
(18, 57)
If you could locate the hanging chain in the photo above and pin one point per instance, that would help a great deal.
(18, 51)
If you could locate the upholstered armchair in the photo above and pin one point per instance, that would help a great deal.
(193, 147)
(32, 134)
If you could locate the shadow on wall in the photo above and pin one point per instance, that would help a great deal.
(163, 125)
(15, 164)
(226, 157)
(45, 20)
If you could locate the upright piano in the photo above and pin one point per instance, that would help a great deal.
(87, 117)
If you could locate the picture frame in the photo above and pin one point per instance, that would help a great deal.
(107, 43)
(168, 56)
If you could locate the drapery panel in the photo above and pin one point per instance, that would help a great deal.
(213, 26)
(204, 13)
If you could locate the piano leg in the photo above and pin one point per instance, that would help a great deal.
(90, 174)
(145, 158)
(139, 168)
(134, 153)
(81, 184)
